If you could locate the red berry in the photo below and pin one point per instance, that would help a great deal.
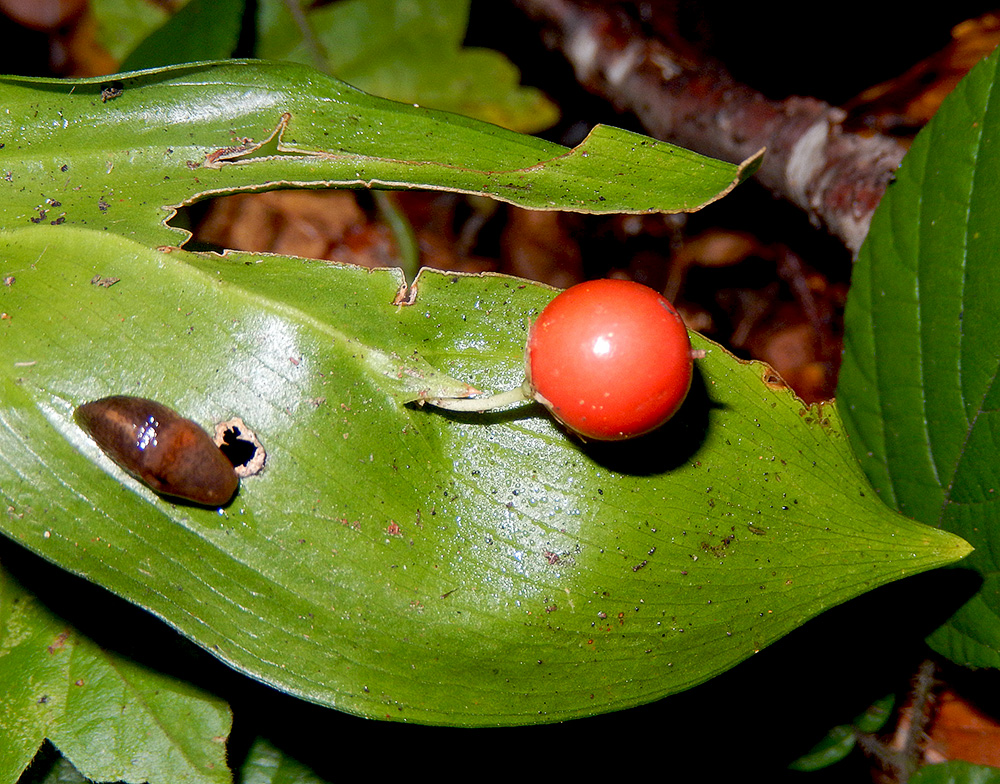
(610, 359)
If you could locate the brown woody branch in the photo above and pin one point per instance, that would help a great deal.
(835, 176)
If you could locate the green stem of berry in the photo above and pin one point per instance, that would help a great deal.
(519, 394)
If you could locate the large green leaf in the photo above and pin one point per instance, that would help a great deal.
(114, 719)
(399, 562)
(120, 161)
(922, 346)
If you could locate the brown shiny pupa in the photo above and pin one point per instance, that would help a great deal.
(172, 455)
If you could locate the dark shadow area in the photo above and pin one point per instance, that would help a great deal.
(30, 56)
(666, 448)
(981, 688)
(756, 43)
(758, 716)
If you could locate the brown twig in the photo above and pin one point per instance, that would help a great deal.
(836, 176)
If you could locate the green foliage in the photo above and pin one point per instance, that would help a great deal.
(406, 51)
(112, 718)
(200, 30)
(121, 25)
(551, 579)
(922, 347)
(410, 52)
(842, 739)
(392, 561)
(265, 764)
(98, 149)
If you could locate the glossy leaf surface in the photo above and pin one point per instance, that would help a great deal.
(116, 154)
(401, 563)
(922, 346)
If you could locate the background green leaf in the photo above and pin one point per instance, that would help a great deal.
(405, 50)
(200, 30)
(402, 563)
(179, 134)
(412, 52)
(918, 386)
(266, 764)
(112, 718)
(123, 24)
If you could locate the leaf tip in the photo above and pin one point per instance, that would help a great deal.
(950, 547)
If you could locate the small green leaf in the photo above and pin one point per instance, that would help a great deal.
(265, 764)
(918, 385)
(841, 740)
(118, 154)
(838, 743)
(200, 30)
(122, 24)
(113, 719)
(403, 563)
(409, 51)
(876, 716)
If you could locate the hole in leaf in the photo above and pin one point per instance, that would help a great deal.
(241, 446)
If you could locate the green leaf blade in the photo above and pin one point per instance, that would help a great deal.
(836, 746)
(922, 349)
(123, 163)
(113, 719)
(402, 563)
